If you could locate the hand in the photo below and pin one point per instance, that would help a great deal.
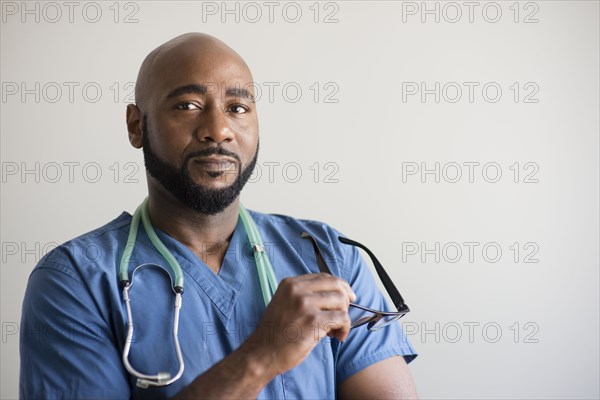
(303, 310)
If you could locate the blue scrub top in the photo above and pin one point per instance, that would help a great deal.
(74, 322)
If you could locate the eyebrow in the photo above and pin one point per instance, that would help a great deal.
(239, 92)
(202, 89)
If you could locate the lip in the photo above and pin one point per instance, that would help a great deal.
(220, 163)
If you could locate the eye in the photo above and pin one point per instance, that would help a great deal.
(238, 109)
(186, 105)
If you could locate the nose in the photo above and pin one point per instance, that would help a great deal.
(213, 126)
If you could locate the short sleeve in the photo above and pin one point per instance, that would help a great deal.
(68, 348)
(363, 348)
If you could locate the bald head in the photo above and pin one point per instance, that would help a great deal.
(188, 48)
(196, 120)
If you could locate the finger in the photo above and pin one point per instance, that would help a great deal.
(326, 282)
(304, 277)
(337, 324)
(342, 333)
(347, 289)
(331, 300)
(310, 282)
(351, 294)
(318, 282)
(341, 284)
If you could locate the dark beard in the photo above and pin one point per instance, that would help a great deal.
(183, 188)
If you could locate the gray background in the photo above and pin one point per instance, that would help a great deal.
(520, 324)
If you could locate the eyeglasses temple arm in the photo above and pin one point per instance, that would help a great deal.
(320, 260)
(385, 278)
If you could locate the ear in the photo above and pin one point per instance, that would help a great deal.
(134, 125)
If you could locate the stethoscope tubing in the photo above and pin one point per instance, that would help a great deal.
(267, 278)
(162, 378)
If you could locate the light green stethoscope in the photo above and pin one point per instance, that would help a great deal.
(268, 284)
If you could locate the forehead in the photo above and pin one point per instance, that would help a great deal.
(215, 68)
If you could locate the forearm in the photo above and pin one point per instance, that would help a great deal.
(242, 374)
(303, 301)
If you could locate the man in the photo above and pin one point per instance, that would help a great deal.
(195, 119)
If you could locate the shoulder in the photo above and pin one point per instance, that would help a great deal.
(289, 228)
(282, 219)
(93, 249)
(72, 297)
(283, 232)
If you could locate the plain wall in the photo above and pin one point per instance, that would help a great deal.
(464, 152)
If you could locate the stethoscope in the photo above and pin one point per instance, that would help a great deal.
(268, 285)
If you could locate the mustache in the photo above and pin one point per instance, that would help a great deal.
(212, 151)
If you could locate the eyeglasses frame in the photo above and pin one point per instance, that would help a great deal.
(388, 284)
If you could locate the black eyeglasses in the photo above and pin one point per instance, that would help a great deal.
(361, 315)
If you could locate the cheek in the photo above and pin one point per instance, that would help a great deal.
(249, 148)
(246, 134)
(167, 143)
(245, 127)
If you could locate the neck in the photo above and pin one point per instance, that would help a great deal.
(207, 236)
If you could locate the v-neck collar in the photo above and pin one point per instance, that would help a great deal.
(222, 288)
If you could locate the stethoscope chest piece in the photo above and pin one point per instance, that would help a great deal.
(268, 283)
